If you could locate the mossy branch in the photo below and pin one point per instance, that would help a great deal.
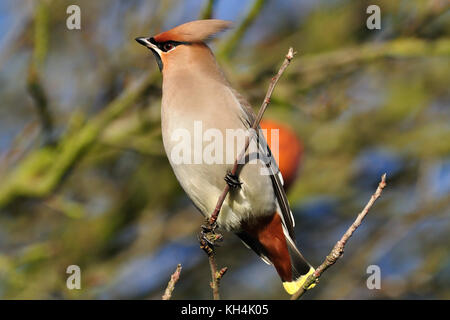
(43, 169)
(208, 10)
(228, 47)
(313, 69)
(34, 82)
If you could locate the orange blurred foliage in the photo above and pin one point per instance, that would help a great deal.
(290, 149)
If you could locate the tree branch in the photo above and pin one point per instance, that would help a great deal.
(171, 285)
(34, 82)
(208, 10)
(41, 171)
(229, 46)
(338, 248)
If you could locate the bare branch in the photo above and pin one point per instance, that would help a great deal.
(171, 285)
(338, 248)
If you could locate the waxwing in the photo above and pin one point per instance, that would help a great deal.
(199, 111)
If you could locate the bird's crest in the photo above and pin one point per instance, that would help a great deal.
(194, 31)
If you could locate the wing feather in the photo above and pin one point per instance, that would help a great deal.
(274, 171)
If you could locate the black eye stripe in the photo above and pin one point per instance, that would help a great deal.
(163, 45)
(168, 45)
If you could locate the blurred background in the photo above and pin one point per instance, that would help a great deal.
(84, 179)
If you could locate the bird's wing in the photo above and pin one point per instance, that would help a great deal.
(277, 182)
(275, 174)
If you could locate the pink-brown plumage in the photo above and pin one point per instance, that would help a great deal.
(194, 31)
(196, 90)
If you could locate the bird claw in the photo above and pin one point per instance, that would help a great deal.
(232, 180)
(208, 239)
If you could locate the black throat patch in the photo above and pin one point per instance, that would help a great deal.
(158, 59)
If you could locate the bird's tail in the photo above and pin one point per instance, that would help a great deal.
(272, 243)
(301, 269)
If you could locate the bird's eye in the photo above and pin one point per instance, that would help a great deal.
(168, 46)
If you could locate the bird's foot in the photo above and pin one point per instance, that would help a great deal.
(209, 239)
(232, 180)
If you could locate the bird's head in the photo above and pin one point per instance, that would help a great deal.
(175, 44)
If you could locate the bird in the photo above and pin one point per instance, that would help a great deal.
(196, 93)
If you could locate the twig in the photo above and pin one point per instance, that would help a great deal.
(171, 285)
(215, 282)
(338, 248)
(216, 276)
(383, 239)
(211, 223)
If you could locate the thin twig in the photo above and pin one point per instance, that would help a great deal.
(216, 276)
(384, 238)
(338, 248)
(215, 283)
(171, 285)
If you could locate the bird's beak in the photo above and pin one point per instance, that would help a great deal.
(155, 50)
(146, 43)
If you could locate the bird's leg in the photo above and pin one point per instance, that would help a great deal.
(232, 180)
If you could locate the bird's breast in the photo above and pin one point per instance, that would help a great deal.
(203, 133)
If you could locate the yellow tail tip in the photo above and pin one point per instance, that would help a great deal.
(293, 286)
